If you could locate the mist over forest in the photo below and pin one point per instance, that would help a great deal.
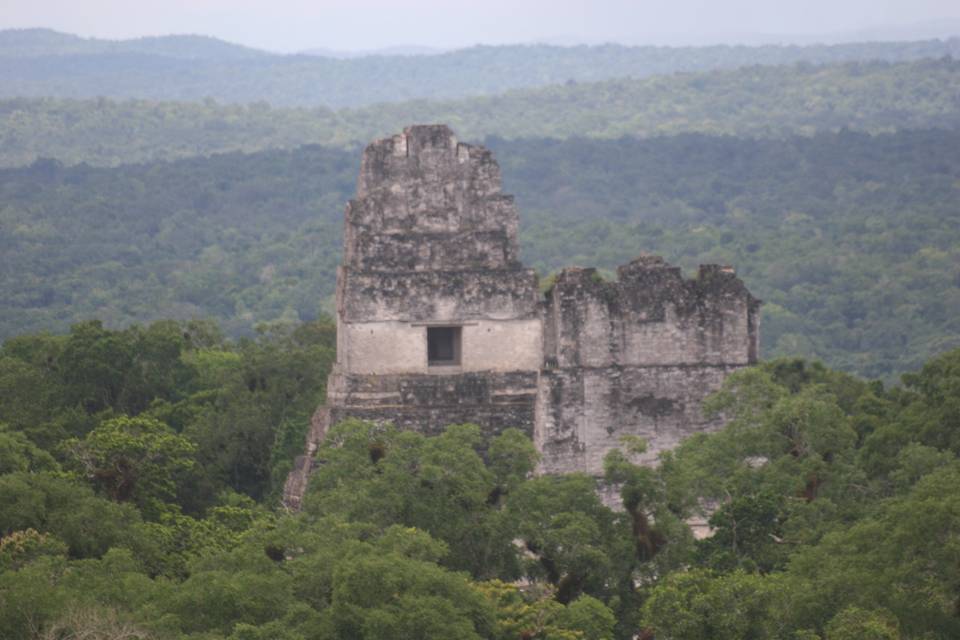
(42, 63)
(171, 223)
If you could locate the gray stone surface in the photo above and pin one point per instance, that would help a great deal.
(636, 357)
(430, 240)
(427, 202)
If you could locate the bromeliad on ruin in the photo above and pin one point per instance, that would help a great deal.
(438, 321)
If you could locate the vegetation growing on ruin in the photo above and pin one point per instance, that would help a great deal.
(139, 472)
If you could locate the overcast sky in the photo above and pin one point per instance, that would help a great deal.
(291, 25)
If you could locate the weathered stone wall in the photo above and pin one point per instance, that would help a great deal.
(431, 241)
(650, 316)
(636, 357)
(430, 402)
(442, 294)
(583, 412)
(427, 202)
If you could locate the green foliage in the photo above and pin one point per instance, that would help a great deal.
(834, 494)
(511, 457)
(935, 416)
(752, 101)
(658, 534)
(247, 240)
(122, 371)
(536, 614)
(858, 624)
(50, 598)
(696, 605)
(832, 504)
(800, 445)
(383, 476)
(248, 432)
(901, 559)
(745, 534)
(135, 459)
(574, 542)
(18, 453)
(23, 547)
(325, 580)
(165, 416)
(68, 510)
(850, 239)
(493, 520)
(589, 617)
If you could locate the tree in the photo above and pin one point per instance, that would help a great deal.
(574, 542)
(900, 559)
(140, 460)
(697, 605)
(95, 364)
(264, 392)
(535, 614)
(788, 441)
(654, 525)
(858, 624)
(28, 392)
(18, 453)
(90, 623)
(934, 415)
(66, 509)
(440, 484)
(746, 533)
(22, 547)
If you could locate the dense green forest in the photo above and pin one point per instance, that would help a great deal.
(753, 101)
(852, 240)
(44, 63)
(139, 472)
(245, 239)
(170, 224)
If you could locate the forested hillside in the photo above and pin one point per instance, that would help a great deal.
(753, 101)
(853, 240)
(170, 226)
(244, 239)
(139, 471)
(46, 63)
(41, 43)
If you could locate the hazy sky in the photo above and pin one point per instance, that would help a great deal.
(290, 25)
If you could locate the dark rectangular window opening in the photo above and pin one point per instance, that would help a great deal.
(443, 346)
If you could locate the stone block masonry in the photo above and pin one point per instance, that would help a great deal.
(439, 323)
(636, 356)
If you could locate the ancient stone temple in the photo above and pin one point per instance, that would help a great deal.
(439, 323)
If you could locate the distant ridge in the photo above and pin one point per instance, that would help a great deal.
(29, 43)
(45, 63)
(757, 102)
(399, 50)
